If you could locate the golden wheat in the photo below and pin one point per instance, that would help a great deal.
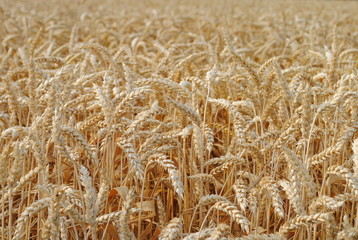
(178, 119)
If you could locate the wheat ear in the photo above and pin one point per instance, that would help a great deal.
(235, 214)
(172, 230)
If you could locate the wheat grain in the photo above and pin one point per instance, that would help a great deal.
(29, 212)
(172, 230)
(219, 232)
(272, 190)
(173, 173)
(236, 215)
(304, 220)
(345, 173)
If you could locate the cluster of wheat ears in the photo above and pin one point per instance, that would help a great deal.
(178, 120)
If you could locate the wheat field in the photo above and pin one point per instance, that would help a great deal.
(178, 119)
